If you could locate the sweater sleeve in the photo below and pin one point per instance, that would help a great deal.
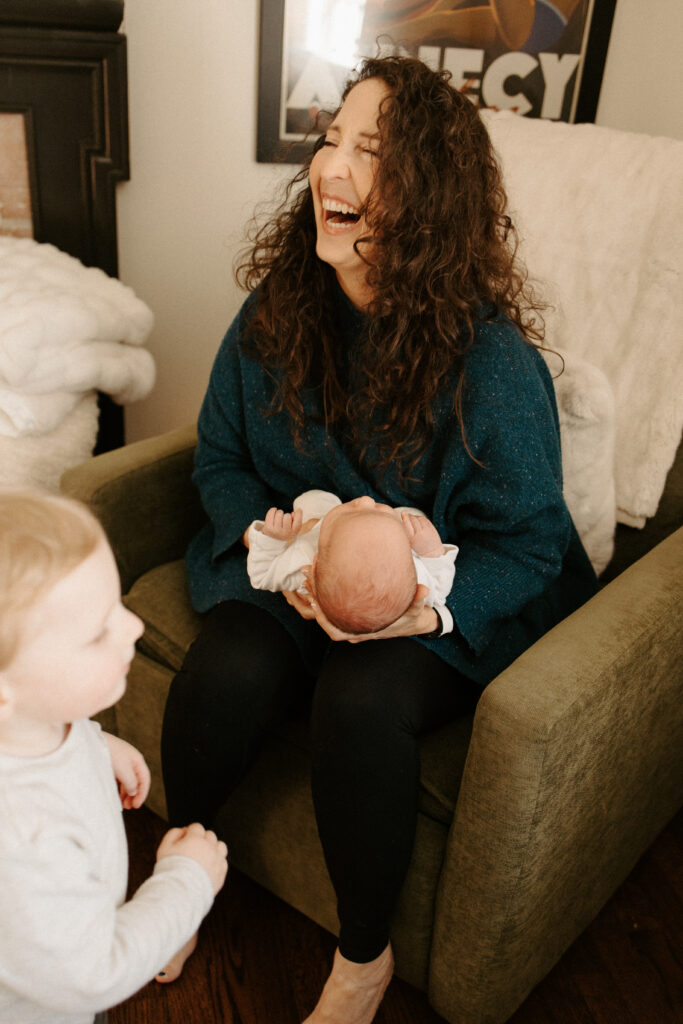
(507, 513)
(68, 947)
(232, 492)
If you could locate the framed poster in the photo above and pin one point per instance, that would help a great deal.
(539, 58)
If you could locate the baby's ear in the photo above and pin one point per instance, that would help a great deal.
(407, 521)
(6, 702)
(309, 572)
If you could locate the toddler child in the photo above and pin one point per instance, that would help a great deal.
(69, 944)
(365, 559)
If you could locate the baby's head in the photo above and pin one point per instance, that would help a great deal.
(364, 574)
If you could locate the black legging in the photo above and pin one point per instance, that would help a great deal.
(370, 702)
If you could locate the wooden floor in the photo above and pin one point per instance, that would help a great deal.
(261, 962)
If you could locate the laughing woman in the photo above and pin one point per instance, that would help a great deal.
(389, 348)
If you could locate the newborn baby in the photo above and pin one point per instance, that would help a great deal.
(365, 559)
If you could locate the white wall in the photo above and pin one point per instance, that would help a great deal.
(642, 89)
(195, 181)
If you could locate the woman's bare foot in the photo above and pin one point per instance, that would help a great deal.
(353, 992)
(174, 967)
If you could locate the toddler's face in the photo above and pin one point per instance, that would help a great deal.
(78, 643)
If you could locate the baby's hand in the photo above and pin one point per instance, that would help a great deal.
(130, 771)
(198, 844)
(282, 525)
(423, 535)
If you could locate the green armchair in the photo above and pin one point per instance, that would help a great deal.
(531, 813)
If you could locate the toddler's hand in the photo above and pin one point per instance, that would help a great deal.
(198, 844)
(423, 535)
(282, 525)
(130, 770)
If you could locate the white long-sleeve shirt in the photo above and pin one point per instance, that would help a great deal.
(277, 565)
(69, 944)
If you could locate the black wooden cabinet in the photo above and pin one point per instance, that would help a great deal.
(70, 84)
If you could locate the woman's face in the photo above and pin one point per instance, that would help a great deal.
(341, 176)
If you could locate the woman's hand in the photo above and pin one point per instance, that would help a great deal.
(418, 618)
(304, 605)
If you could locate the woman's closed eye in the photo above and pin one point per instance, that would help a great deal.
(327, 142)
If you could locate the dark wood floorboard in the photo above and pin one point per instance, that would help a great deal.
(261, 962)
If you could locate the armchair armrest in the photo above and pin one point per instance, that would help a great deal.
(143, 496)
(575, 764)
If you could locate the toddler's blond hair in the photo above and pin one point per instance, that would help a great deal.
(43, 537)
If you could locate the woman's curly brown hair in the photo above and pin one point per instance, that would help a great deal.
(443, 256)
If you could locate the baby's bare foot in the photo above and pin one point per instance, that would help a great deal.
(353, 992)
(174, 967)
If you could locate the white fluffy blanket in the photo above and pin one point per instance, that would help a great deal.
(585, 404)
(65, 330)
(600, 218)
(42, 459)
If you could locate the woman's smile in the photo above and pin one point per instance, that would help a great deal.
(341, 177)
(338, 216)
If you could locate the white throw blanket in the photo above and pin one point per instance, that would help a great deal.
(65, 330)
(600, 218)
(41, 460)
(585, 404)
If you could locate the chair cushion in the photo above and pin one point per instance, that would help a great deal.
(160, 598)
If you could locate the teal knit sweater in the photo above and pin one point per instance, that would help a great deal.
(521, 566)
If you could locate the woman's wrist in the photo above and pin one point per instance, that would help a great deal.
(433, 622)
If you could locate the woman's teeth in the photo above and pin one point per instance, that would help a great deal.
(334, 206)
(337, 212)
